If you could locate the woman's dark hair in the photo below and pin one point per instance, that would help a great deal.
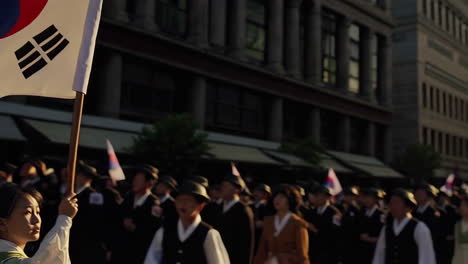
(10, 194)
(293, 196)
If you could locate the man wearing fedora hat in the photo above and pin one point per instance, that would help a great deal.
(349, 225)
(86, 232)
(404, 239)
(236, 221)
(165, 186)
(139, 222)
(324, 219)
(371, 221)
(428, 213)
(262, 194)
(189, 239)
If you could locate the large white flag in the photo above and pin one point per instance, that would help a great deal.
(47, 46)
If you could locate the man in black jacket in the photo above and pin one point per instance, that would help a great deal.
(86, 234)
(325, 220)
(236, 222)
(166, 185)
(262, 194)
(139, 219)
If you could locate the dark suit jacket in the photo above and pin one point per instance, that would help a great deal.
(370, 225)
(169, 210)
(211, 213)
(237, 231)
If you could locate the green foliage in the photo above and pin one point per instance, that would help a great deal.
(173, 144)
(418, 162)
(305, 149)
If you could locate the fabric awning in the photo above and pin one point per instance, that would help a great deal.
(290, 159)
(89, 137)
(9, 130)
(329, 162)
(239, 153)
(366, 164)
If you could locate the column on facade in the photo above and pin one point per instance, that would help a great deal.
(275, 35)
(385, 73)
(313, 42)
(388, 145)
(145, 14)
(293, 46)
(111, 84)
(116, 9)
(371, 139)
(218, 23)
(365, 66)
(314, 125)
(345, 133)
(237, 26)
(343, 53)
(197, 31)
(276, 120)
(198, 100)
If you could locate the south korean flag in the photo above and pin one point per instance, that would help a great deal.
(47, 46)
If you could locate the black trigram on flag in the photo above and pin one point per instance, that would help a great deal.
(47, 45)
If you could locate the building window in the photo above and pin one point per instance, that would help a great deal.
(455, 99)
(329, 48)
(375, 42)
(424, 7)
(171, 16)
(447, 19)
(330, 129)
(424, 136)
(354, 38)
(439, 12)
(256, 29)
(462, 110)
(450, 106)
(447, 145)
(437, 101)
(454, 26)
(444, 104)
(460, 147)
(233, 110)
(454, 146)
(424, 95)
(432, 10)
(358, 132)
(466, 148)
(146, 92)
(431, 98)
(440, 143)
(433, 139)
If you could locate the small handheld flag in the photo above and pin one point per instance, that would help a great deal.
(448, 186)
(236, 172)
(115, 171)
(333, 183)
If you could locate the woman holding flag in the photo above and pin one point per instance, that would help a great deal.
(20, 223)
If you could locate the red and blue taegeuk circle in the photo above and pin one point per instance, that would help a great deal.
(15, 15)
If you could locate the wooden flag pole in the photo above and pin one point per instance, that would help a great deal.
(74, 141)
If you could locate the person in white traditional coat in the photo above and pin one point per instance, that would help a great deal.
(461, 235)
(188, 240)
(20, 223)
(404, 239)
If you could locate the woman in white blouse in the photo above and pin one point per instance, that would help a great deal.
(20, 223)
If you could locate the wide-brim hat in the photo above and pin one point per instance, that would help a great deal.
(194, 188)
(428, 188)
(321, 189)
(148, 170)
(406, 195)
(263, 187)
(87, 170)
(200, 180)
(236, 180)
(354, 191)
(169, 181)
(374, 192)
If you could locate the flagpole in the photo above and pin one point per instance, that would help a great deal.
(74, 140)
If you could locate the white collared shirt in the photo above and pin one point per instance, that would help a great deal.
(422, 209)
(321, 210)
(422, 236)
(215, 251)
(464, 226)
(280, 224)
(165, 198)
(228, 205)
(141, 200)
(370, 212)
(261, 202)
(53, 249)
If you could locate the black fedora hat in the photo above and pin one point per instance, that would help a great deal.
(321, 189)
(150, 171)
(169, 181)
(87, 170)
(374, 192)
(428, 188)
(353, 190)
(194, 188)
(236, 180)
(263, 187)
(406, 195)
(200, 180)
